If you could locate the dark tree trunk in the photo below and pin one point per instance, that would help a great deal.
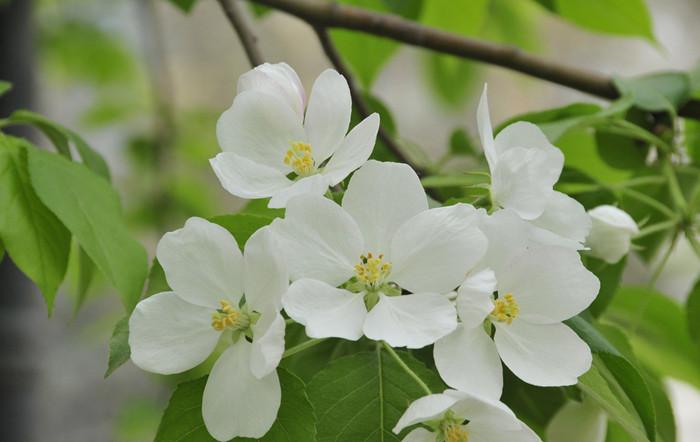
(17, 298)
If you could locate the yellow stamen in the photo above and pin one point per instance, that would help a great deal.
(300, 159)
(227, 317)
(372, 270)
(506, 309)
(456, 433)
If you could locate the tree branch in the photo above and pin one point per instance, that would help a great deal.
(334, 15)
(235, 16)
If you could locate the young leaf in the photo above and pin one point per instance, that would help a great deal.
(35, 239)
(156, 282)
(119, 350)
(182, 419)
(618, 17)
(361, 397)
(5, 87)
(90, 209)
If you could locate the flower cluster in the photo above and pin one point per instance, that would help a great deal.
(480, 286)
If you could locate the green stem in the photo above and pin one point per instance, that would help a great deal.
(649, 201)
(657, 227)
(301, 347)
(693, 241)
(664, 260)
(406, 368)
(674, 186)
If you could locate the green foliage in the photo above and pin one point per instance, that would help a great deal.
(184, 5)
(183, 415)
(658, 331)
(617, 17)
(119, 350)
(461, 143)
(610, 276)
(242, 225)
(87, 205)
(35, 239)
(661, 91)
(692, 310)
(5, 87)
(361, 397)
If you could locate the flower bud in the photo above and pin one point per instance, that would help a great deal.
(611, 234)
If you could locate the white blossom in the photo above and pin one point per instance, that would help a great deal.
(612, 232)
(575, 421)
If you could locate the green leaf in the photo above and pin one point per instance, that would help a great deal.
(692, 311)
(5, 86)
(61, 137)
(581, 153)
(184, 5)
(86, 272)
(242, 225)
(692, 139)
(617, 17)
(555, 122)
(156, 282)
(90, 209)
(658, 331)
(461, 143)
(119, 350)
(610, 276)
(183, 415)
(661, 91)
(35, 239)
(361, 397)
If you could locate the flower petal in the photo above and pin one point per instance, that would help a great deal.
(236, 403)
(202, 263)
(325, 310)
(168, 335)
(508, 235)
(412, 321)
(589, 419)
(524, 178)
(419, 435)
(467, 360)
(483, 120)
(425, 409)
(311, 185)
(434, 250)
(266, 275)
(328, 114)
(260, 127)
(544, 355)
(277, 79)
(550, 284)
(565, 217)
(474, 298)
(610, 237)
(380, 197)
(320, 240)
(247, 179)
(268, 343)
(522, 134)
(353, 151)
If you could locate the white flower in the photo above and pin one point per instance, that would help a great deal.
(578, 422)
(612, 233)
(382, 240)
(538, 288)
(172, 332)
(446, 413)
(524, 165)
(564, 222)
(265, 136)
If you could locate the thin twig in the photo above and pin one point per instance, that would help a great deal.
(235, 16)
(334, 15)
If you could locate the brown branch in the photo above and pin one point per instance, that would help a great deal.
(334, 15)
(235, 16)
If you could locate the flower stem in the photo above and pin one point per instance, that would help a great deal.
(406, 368)
(301, 347)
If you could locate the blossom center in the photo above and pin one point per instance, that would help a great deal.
(455, 433)
(372, 270)
(227, 317)
(299, 157)
(506, 309)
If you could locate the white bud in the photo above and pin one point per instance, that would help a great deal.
(611, 233)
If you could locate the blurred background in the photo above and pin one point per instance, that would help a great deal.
(144, 83)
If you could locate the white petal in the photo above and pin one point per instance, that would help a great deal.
(202, 263)
(496, 433)
(320, 240)
(328, 114)
(277, 79)
(260, 127)
(381, 197)
(483, 412)
(325, 311)
(614, 217)
(236, 403)
(268, 343)
(467, 360)
(507, 235)
(521, 134)
(590, 422)
(565, 217)
(550, 284)
(475, 298)
(483, 120)
(419, 435)
(434, 250)
(247, 179)
(168, 335)
(524, 178)
(610, 237)
(354, 150)
(543, 355)
(266, 275)
(425, 409)
(311, 185)
(412, 321)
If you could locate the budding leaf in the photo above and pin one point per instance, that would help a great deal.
(119, 350)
